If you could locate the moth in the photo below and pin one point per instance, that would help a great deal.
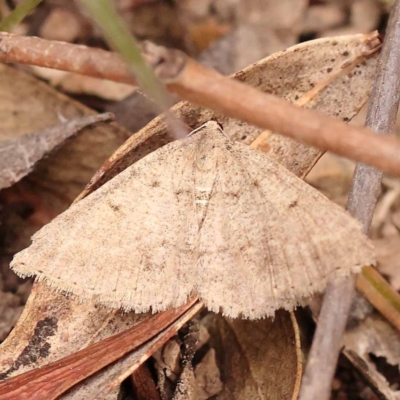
(204, 216)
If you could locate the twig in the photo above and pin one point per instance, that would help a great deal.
(207, 88)
(18, 14)
(363, 196)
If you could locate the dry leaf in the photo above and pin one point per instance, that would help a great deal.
(27, 105)
(371, 340)
(202, 215)
(256, 359)
(334, 82)
(20, 154)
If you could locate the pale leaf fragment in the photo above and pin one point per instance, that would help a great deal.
(19, 155)
(375, 338)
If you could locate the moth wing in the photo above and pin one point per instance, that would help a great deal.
(130, 243)
(269, 240)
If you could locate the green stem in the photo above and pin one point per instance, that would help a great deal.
(119, 38)
(380, 294)
(18, 14)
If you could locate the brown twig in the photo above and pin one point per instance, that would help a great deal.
(363, 196)
(50, 381)
(207, 88)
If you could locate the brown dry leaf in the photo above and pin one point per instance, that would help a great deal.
(245, 266)
(256, 359)
(321, 83)
(270, 75)
(20, 154)
(27, 105)
(373, 347)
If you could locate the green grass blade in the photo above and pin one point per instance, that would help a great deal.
(18, 14)
(119, 38)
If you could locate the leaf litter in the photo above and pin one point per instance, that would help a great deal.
(229, 127)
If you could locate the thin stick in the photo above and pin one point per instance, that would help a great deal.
(207, 88)
(363, 196)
